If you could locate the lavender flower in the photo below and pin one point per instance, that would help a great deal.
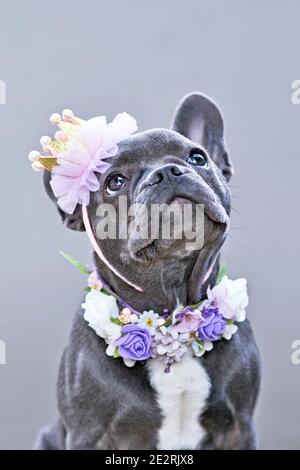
(134, 343)
(168, 345)
(212, 325)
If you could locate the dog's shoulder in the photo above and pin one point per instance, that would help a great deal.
(97, 393)
(84, 361)
(86, 370)
(234, 368)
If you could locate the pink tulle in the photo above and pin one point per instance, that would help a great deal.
(75, 175)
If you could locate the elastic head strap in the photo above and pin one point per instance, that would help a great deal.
(97, 249)
(208, 272)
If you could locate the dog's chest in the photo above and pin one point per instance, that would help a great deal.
(182, 394)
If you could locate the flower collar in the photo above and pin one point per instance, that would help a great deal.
(167, 336)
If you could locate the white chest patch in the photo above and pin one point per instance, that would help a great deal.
(181, 394)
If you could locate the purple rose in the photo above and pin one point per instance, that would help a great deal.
(134, 343)
(213, 324)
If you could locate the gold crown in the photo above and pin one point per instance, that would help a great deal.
(67, 125)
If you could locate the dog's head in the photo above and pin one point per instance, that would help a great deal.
(152, 172)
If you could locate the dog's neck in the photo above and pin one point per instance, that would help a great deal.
(169, 283)
(164, 286)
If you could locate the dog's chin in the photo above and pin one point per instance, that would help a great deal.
(150, 250)
(156, 250)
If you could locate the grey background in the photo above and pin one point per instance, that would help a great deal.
(105, 57)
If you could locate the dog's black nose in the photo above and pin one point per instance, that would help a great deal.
(170, 172)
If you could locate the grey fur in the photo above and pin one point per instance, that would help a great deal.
(102, 404)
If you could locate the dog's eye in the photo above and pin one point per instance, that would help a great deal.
(197, 157)
(115, 183)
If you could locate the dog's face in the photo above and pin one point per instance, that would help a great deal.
(152, 169)
(162, 169)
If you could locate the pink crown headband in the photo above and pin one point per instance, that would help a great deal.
(77, 153)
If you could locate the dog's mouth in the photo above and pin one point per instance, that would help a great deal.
(154, 248)
(151, 248)
(149, 251)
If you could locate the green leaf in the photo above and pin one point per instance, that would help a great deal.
(222, 272)
(82, 268)
(87, 289)
(168, 321)
(107, 292)
(197, 305)
(116, 321)
(116, 354)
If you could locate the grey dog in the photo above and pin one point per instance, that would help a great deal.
(209, 402)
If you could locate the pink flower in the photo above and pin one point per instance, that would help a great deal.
(187, 320)
(230, 297)
(87, 149)
(94, 282)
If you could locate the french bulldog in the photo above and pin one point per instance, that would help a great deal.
(202, 403)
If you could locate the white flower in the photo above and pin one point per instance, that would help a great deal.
(99, 308)
(128, 362)
(208, 345)
(167, 347)
(231, 298)
(111, 332)
(149, 320)
(161, 349)
(174, 333)
(163, 329)
(110, 350)
(198, 351)
(229, 331)
(177, 310)
(184, 337)
(125, 314)
(134, 318)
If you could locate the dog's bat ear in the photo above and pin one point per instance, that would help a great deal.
(73, 221)
(198, 118)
